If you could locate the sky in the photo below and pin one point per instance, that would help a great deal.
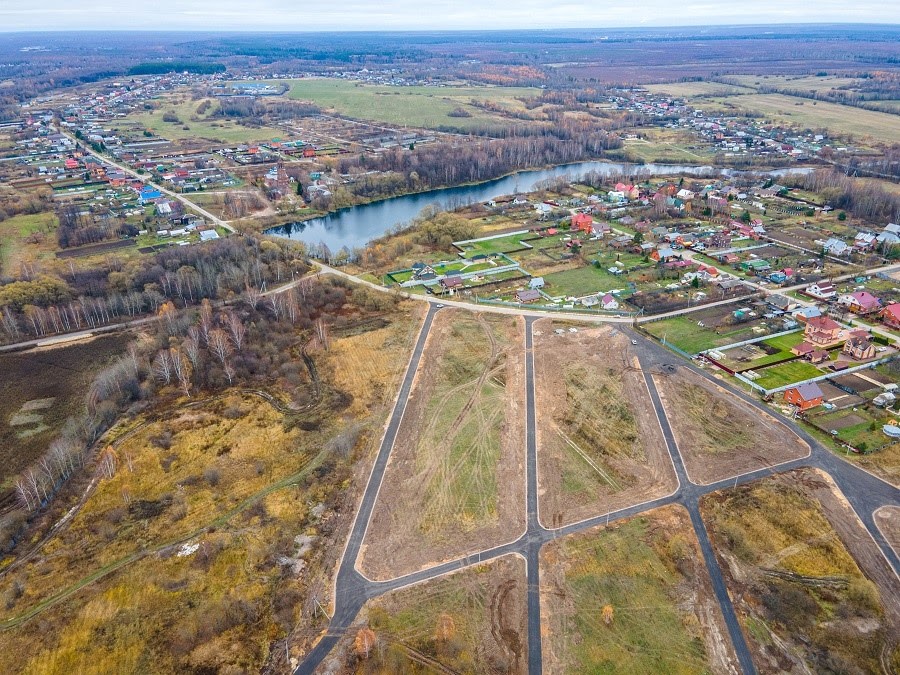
(296, 15)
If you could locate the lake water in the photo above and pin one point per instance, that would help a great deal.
(356, 226)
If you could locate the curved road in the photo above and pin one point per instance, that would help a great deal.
(864, 492)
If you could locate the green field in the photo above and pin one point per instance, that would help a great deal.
(684, 333)
(618, 599)
(427, 107)
(582, 281)
(783, 343)
(511, 242)
(787, 373)
(840, 120)
(14, 232)
(192, 125)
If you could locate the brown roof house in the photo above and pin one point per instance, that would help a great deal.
(804, 396)
(859, 348)
(821, 330)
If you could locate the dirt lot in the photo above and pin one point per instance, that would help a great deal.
(39, 389)
(472, 621)
(888, 520)
(600, 447)
(718, 435)
(455, 482)
(662, 614)
(812, 590)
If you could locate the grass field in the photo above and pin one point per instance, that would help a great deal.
(39, 390)
(809, 83)
(667, 145)
(684, 333)
(14, 245)
(691, 89)
(582, 281)
(786, 373)
(471, 621)
(840, 120)
(505, 244)
(454, 472)
(631, 598)
(192, 126)
(427, 107)
(802, 570)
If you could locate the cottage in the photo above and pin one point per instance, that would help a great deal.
(860, 302)
(817, 356)
(803, 349)
(208, 235)
(822, 290)
(890, 235)
(781, 303)
(804, 396)
(804, 314)
(821, 330)
(582, 222)
(835, 246)
(859, 348)
(451, 283)
(530, 295)
(890, 315)
(536, 282)
(609, 302)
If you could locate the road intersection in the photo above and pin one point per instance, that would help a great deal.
(865, 493)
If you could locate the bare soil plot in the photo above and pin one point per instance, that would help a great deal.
(633, 597)
(455, 482)
(887, 518)
(600, 446)
(718, 435)
(473, 621)
(812, 590)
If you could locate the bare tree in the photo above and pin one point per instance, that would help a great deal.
(237, 330)
(321, 329)
(221, 348)
(162, 367)
(252, 294)
(191, 346)
(181, 366)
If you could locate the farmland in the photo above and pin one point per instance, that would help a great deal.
(719, 435)
(26, 238)
(40, 389)
(427, 107)
(812, 590)
(455, 471)
(632, 597)
(469, 622)
(600, 447)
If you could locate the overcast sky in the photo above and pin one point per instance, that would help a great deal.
(291, 15)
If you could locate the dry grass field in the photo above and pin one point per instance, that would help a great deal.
(473, 621)
(718, 435)
(455, 481)
(600, 446)
(634, 597)
(813, 592)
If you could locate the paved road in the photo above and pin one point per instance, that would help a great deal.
(864, 491)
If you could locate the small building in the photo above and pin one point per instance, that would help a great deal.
(528, 296)
(804, 396)
(803, 349)
(608, 302)
(821, 330)
(817, 356)
(451, 283)
(208, 235)
(536, 282)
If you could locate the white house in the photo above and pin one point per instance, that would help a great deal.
(536, 282)
(609, 302)
(822, 290)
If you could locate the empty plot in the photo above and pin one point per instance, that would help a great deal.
(600, 446)
(455, 481)
(634, 597)
(812, 590)
(887, 518)
(473, 621)
(718, 434)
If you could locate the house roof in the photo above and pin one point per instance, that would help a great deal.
(865, 299)
(809, 391)
(528, 295)
(823, 323)
(894, 310)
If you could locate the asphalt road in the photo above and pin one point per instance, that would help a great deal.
(864, 491)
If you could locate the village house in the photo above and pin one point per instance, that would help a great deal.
(608, 302)
(859, 348)
(836, 247)
(822, 290)
(890, 315)
(860, 302)
(804, 396)
(528, 296)
(582, 222)
(821, 330)
(451, 283)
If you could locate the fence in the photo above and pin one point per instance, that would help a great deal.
(549, 308)
(819, 378)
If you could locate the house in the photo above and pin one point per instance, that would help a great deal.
(803, 349)
(609, 302)
(531, 295)
(804, 396)
(835, 246)
(864, 241)
(663, 254)
(536, 282)
(583, 222)
(451, 283)
(208, 235)
(821, 330)
(859, 347)
(804, 314)
(823, 290)
(817, 356)
(781, 302)
(860, 302)
(758, 267)
(890, 235)
(890, 315)
(684, 195)
(600, 229)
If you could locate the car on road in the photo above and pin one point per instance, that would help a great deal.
(440, 305)
(634, 342)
